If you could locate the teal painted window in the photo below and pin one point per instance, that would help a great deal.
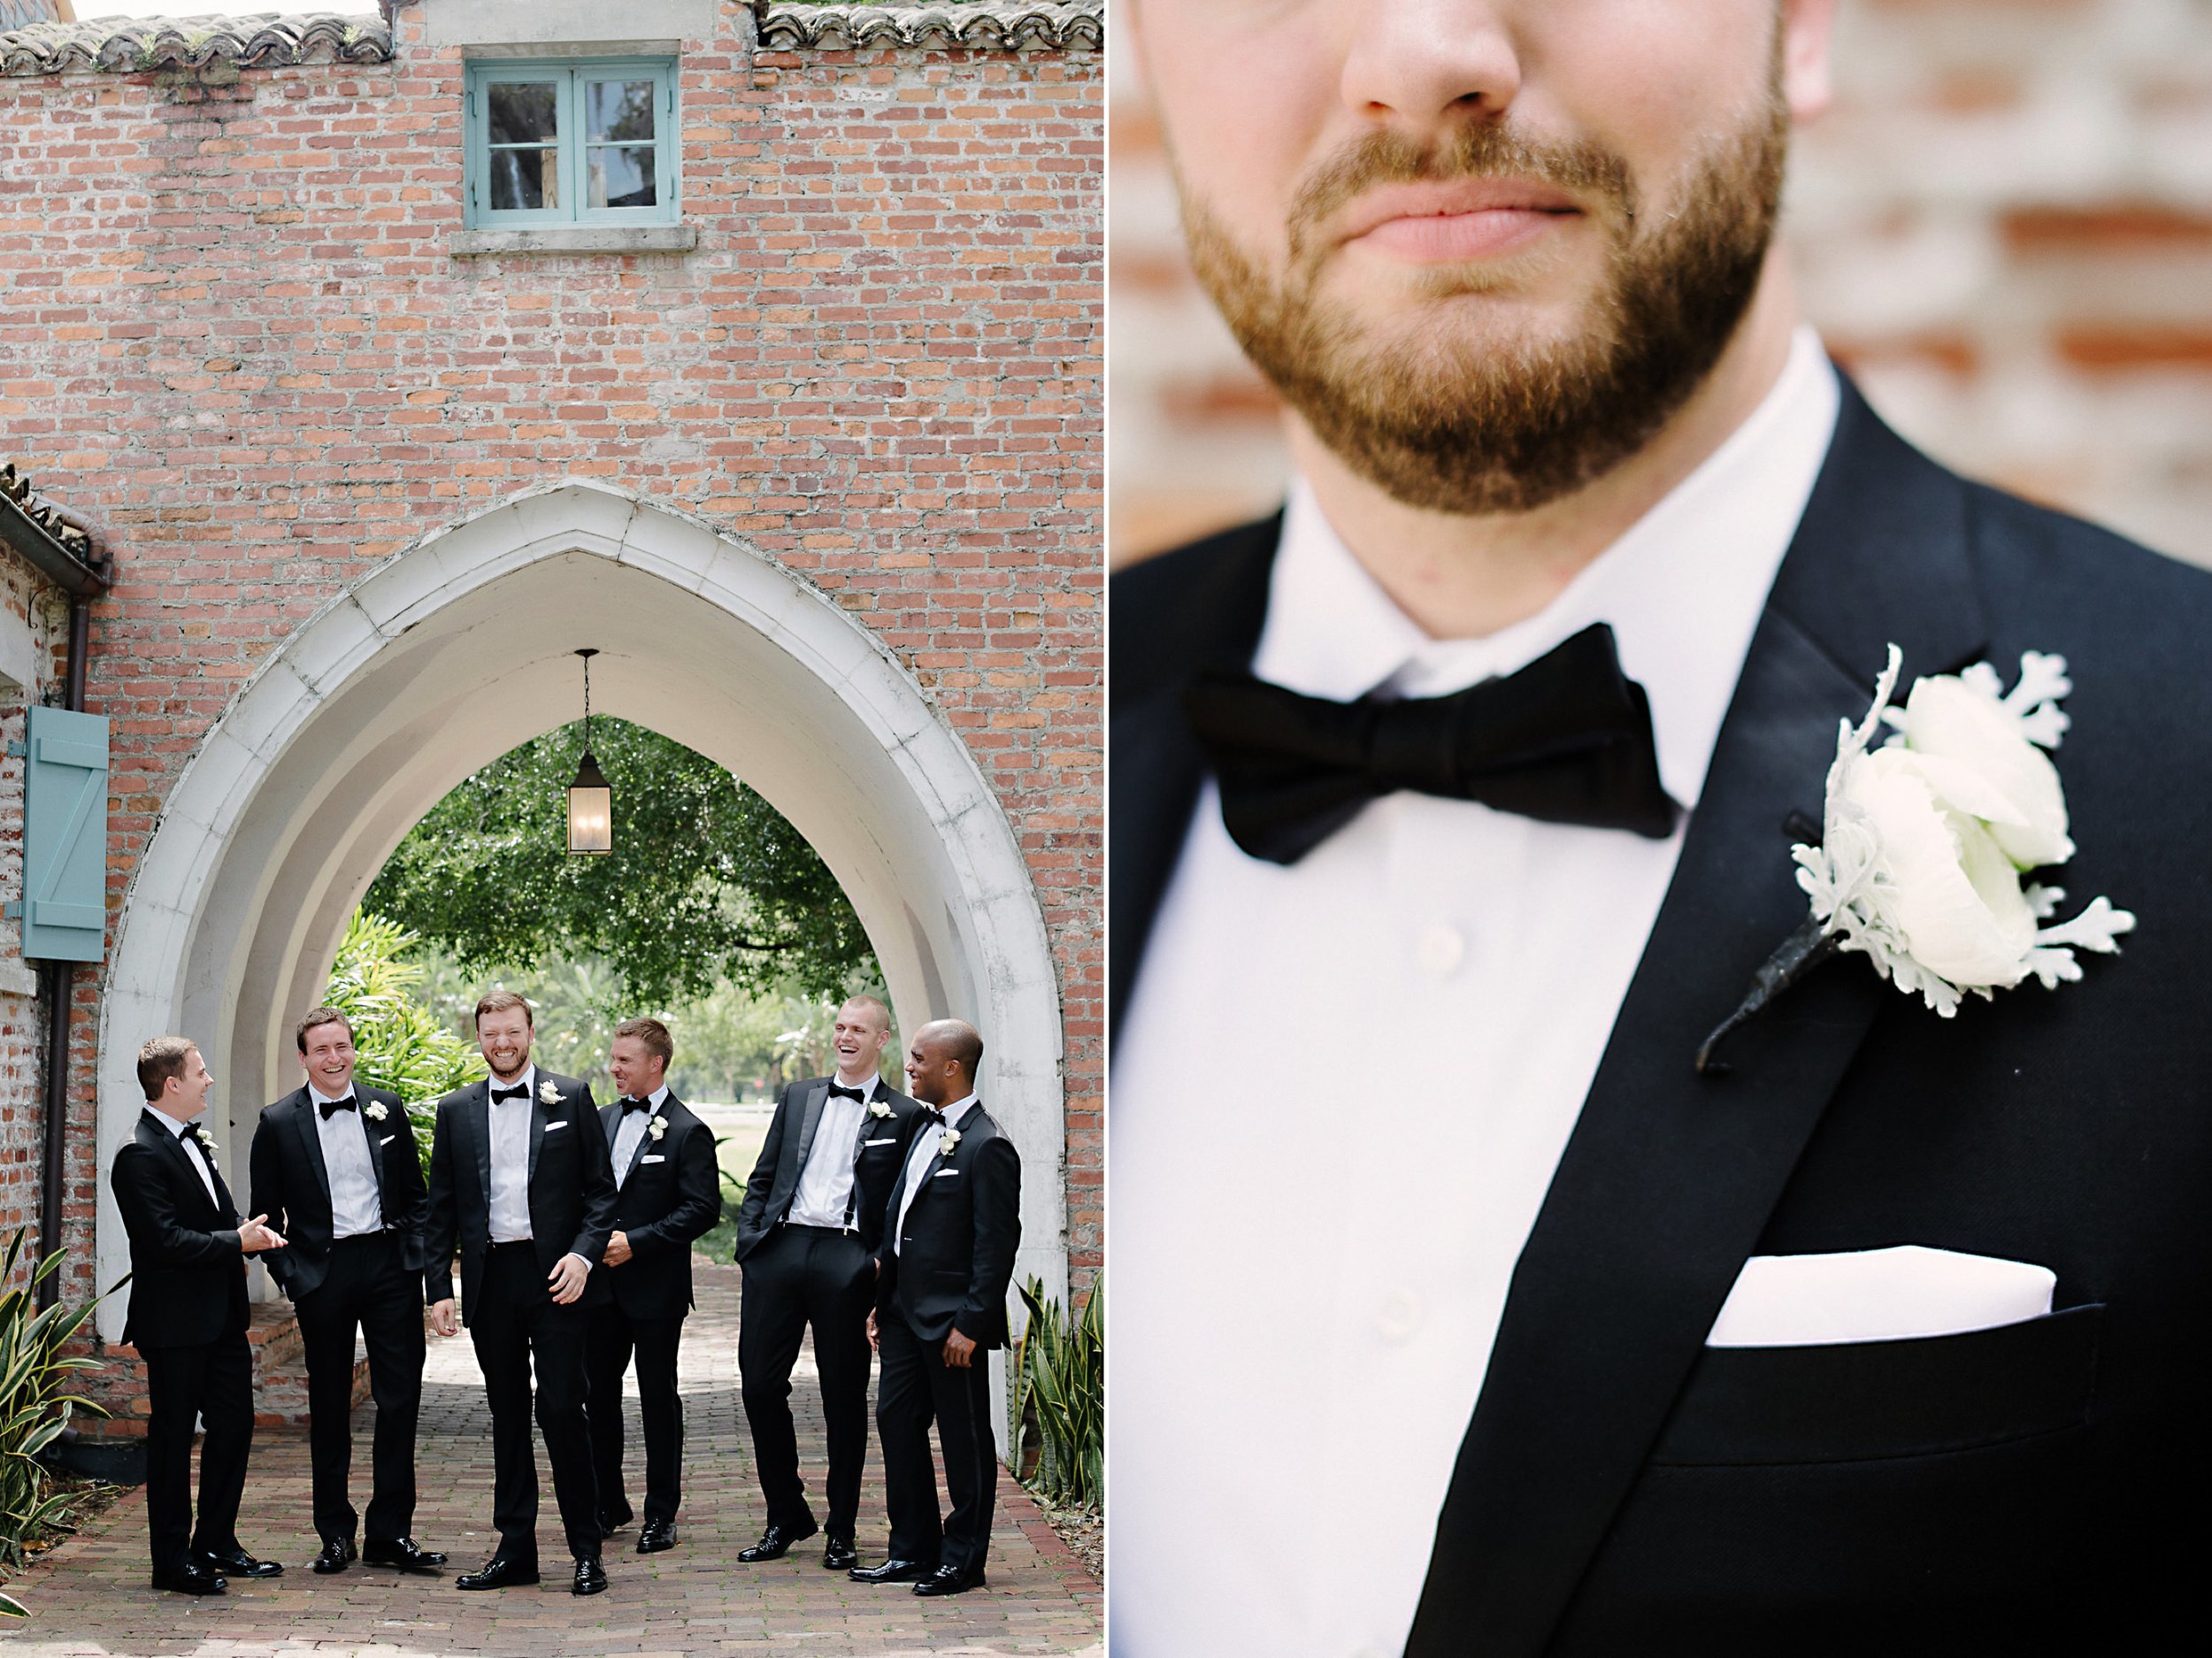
(571, 143)
(65, 836)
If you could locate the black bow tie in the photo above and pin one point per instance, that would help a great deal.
(516, 1093)
(930, 1113)
(1566, 739)
(327, 1106)
(839, 1091)
(630, 1105)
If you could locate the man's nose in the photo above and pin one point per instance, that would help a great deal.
(1419, 64)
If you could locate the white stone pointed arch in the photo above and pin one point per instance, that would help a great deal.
(457, 648)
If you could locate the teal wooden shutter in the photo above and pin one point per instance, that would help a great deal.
(66, 836)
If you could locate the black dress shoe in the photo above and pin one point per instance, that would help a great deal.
(236, 1563)
(894, 1571)
(655, 1535)
(838, 1554)
(950, 1580)
(591, 1578)
(613, 1520)
(190, 1580)
(498, 1572)
(336, 1551)
(775, 1543)
(403, 1553)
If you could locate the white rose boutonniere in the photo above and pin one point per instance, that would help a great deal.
(547, 1094)
(656, 1126)
(950, 1144)
(1924, 839)
(878, 1109)
(373, 1111)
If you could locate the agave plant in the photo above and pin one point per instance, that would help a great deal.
(34, 1408)
(1060, 1392)
(399, 1042)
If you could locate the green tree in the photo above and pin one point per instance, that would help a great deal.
(707, 881)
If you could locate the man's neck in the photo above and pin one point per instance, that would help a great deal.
(178, 1115)
(1459, 576)
(321, 1091)
(507, 1079)
(858, 1079)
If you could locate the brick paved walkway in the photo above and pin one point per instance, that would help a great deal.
(90, 1597)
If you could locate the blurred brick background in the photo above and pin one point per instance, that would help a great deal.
(2003, 228)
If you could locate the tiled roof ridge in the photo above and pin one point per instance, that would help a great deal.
(130, 45)
(16, 487)
(991, 25)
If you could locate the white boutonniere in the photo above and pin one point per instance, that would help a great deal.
(656, 1126)
(950, 1144)
(1924, 839)
(201, 1134)
(373, 1111)
(547, 1094)
(878, 1109)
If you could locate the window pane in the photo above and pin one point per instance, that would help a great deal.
(521, 112)
(619, 110)
(525, 177)
(621, 178)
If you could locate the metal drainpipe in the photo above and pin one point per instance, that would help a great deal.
(60, 987)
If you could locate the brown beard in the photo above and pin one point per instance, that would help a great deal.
(1455, 424)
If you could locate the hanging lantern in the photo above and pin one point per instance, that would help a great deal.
(590, 798)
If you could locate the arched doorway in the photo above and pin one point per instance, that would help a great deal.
(452, 652)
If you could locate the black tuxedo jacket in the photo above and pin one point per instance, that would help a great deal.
(187, 1272)
(572, 1187)
(774, 1181)
(1622, 1488)
(671, 1194)
(955, 1256)
(291, 1185)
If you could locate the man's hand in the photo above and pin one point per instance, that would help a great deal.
(957, 1349)
(617, 1249)
(443, 1319)
(567, 1279)
(256, 1235)
(873, 1341)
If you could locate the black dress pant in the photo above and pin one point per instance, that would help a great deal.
(917, 1387)
(801, 1275)
(212, 1381)
(368, 1289)
(516, 1320)
(612, 1336)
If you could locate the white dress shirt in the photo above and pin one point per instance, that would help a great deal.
(180, 1127)
(356, 1205)
(918, 1155)
(1312, 1247)
(510, 1158)
(825, 1184)
(631, 1130)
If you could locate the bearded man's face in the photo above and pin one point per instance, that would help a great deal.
(1485, 248)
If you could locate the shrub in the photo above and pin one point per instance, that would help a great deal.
(34, 1408)
(399, 1042)
(1060, 1398)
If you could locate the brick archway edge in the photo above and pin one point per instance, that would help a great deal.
(459, 648)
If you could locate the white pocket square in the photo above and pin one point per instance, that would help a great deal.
(388, 1139)
(946, 1174)
(1891, 1294)
(549, 1127)
(892, 1141)
(656, 1158)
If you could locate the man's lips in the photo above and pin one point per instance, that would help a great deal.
(1440, 223)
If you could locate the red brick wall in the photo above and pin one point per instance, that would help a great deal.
(236, 344)
(2004, 228)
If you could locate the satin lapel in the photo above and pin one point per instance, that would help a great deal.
(1669, 1177)
(477, 1111)
(311, 1141)
(537, 1122)
(178, 1150)
(810, 1119)
(376, 1151)
(1157, 762)
(637, 1152)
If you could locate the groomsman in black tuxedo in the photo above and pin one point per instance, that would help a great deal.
(335, 1169)
(519, 1175)
(954, 1220)
(811, 1221)
(670, 1192)
(188, 1319)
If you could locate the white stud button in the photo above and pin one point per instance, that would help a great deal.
(1399, 1316)
(1440, 949)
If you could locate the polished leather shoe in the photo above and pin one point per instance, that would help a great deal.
(775, 1543)
(403, 1553)
(950, 1580)
(591, 1578)
(237, 1563)
(498, 1573)
(613, 1520)
(894, 1571)
(190, 1580)
(838, 1554)
(336, 1551)
(655, 1535)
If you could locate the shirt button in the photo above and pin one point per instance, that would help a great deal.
(1399, 1316)
(1441, 949)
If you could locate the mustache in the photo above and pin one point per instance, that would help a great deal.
(1583, 169)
